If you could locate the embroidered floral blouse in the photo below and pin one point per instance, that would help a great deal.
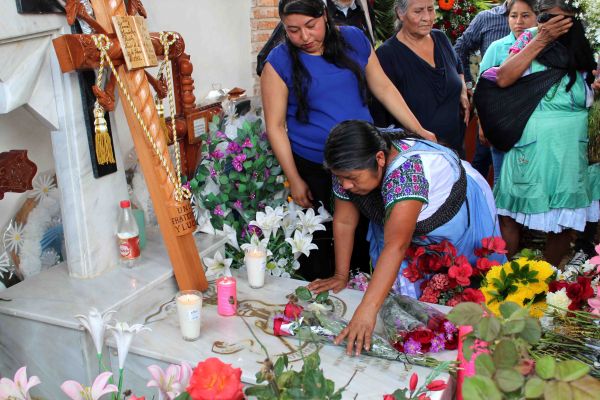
(407, 182)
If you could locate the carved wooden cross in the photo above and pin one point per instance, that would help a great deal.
(175, 218)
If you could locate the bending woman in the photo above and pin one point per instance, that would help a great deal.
(413, 191)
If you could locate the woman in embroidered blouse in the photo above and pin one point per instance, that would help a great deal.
(413, 191)
(545, 183)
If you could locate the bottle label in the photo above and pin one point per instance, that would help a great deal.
(130, 248)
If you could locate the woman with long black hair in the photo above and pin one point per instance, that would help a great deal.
(316, 79)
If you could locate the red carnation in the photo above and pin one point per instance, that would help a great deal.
(462, 271)
(555, 286)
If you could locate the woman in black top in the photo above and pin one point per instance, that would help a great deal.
(422, 64)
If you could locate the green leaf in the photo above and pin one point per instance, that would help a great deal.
(508, 380)
(223, 180)
(532, 332)
(183, 396)
(322, 297)
(303, 293)
(466, 314)
(508, 308)
(194, 184)
(468, 344)
(484, 365)
(505, 354)
(545, 367)
(259, 391)
(534, 388)
(242, 188)
(586, 388)
(480, 388)
(488, 329)
(247, 164)
(279, 365)
(284, 379)
(556, 390)
(513, 326)
(570, 370)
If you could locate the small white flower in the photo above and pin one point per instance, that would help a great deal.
(13, 237)
(218, 266)
(230, 234)
(282, 262)
(123, 334)
(285, 275)
(256, 244)
(42, 186)
(276, 271)
(95, 324)
(558, 299)
(301, 244)
(310, 222)
(296, 265)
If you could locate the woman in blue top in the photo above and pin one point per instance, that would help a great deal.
(521, 16)
(316, 79)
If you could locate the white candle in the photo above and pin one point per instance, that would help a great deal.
(256, 263)
(189, 309)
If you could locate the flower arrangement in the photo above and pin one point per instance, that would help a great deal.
(237, 175)
(416, 328)
(509, 370)
(448, 276)
(454, 16)
(523, 281)
(413, 392)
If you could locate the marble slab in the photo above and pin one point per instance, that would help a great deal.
(54, 297)
(230, 339)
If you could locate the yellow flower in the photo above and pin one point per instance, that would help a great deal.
(518, 297)
(538, 309)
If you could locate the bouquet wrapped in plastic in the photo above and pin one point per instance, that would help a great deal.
(314, 323)
(416, 328)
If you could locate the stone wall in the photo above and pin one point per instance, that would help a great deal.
(263, 19)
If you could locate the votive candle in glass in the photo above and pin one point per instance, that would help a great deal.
(226, 295)
(255, 261)
(189, 309)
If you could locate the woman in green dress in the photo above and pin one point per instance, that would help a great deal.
(544, 183)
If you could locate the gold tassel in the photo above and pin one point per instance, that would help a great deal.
(160, 109)
(104, 153)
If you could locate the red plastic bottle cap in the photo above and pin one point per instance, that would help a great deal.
(125, 204)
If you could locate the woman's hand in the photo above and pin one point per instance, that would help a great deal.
(465, 105)
(425, 134)
(336, 283)
(554, 28)
(359, 331)
(301, 193)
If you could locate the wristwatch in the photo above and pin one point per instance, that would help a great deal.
(469, 85)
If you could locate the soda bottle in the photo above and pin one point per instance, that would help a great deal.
(128, 235)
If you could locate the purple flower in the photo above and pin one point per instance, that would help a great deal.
(213, 173)
(238, 161)
(219, 211)
(267, 173)
(247, 143)
(437, 343)
(252, 196)
(255, 175)
(221, 135)
(233, 148)
(254, 230)
(411, 346)
(261, 205)
(238, 204)
(217, 154)
(449, 327)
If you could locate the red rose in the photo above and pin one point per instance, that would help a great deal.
(473, 295)
(414, 379)
(555, 286)
(421, 335)
(293, 310)
(213, 379)
(485, 264)
(437, 385)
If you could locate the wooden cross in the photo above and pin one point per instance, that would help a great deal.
(78, 51)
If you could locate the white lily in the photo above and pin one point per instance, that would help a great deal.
(257, 245)
(324, 215)
(123, 334)
(218, 265)
(231, 235)
(18, 389)
(301, 244)
(310, 222)
(172, 382)
(95, 323)
(203, 222)
(76, 391)
(269, 221)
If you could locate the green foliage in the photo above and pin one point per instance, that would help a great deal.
(509, 371)
(384, 19)
(283, 382)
